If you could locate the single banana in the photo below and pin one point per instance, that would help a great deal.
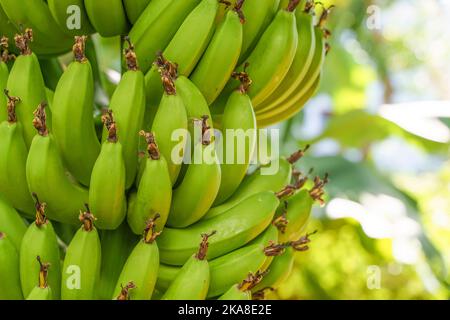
(42, 291)
(192, 282)
(11, 223)
(238, 226)
(81, 268)
(138, 277)
(46, 174)
(134, 8)
(240, 123)
(221, 56)
(107, 16)
(154, 192)
(10, 288)
(107, 188)
(242, 291)
(73, 124)
(71, 17)
(13, 182)
(128, 107)
(40, 240)
(26, 82)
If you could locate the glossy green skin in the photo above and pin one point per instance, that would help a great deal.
(237, 227)
(134, 8)
(116, 247)
(13, 181)
(40, 241)
(107, 16)
(196, 193)
(235, 294)
(254, 184)
(154, 195)
(166, 274)
(84, 251)
(191, 283)
(128, 106)
(7, 28)
(10, 288)
(157, 34)
(26, 82)
(4, 73)
(141, 268)
(40, 294)
(258, 16)
(58, 9)
(171, 115)
(11, 223)
(298, 213)
(107, 198)
(73, 123)
(51, 72)
(47, 177)
(220, 58)
(238, 115)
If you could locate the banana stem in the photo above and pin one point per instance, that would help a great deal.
(40, 118)
(302, 243)
(152, 146)
(130, 56)
(293, 4)
(41, 218)
(296, 156)
(281, 222)
(244, 78)
(317, 191)
(150, 233)
(5, 56)
(309, 6)
(43, 273)
(206, 136)
(79, 49)
(23, 42)
(169, 73)
(87, 219)
(252, 280)
(203, 250)
(110, 124)
(11, 107)
(261, 294)
(125, 291)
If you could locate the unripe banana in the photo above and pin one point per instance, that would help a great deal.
(221, 57)
(107, 188)
(71, 17)
(11, 223)
(10, 288)
(46, 174)
(7, 28)
(234, 229)
(42, 291)
(242, 291)
(81, 268)
(107, 16)
(154, 192)
(4, 74)
(13, 182)
(134, 8)
(73, 116)
(192, 282)
(26, 82)
(128, 107)
(40, 240)
(138, 277)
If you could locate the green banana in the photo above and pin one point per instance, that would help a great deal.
(81, 268)
(7, 28)
(238, 119)
(192, 282)
(151, 37)
(134, 8)
(73, 123)
(221, 56)
(242, 291)
(42, 291)
(40, 240)
(26, 82)
(5, 57)
(11, 223)
(51, 72)
(141, 268)
(46, 175)
(107, 16)
(238, 226)
(71, 17)
(128, 107)
(10, 288)
(107, 188)
(154, 193)
(13, 182)
(116, 247)
(170, 117)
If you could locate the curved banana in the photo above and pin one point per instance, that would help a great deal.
(13, 181)
(107, 188)
(40, 240)
(71, 17)
(107, 16)
(81, 268)
(134, 8)
(238, 226)
(73, 124)
(192, 282)
(10, 288)
(220, 58)
(42, 291)
(239, 135)
(11, 223)
(154, 192)
(46, 175)
(26, 82)
(138, 277)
